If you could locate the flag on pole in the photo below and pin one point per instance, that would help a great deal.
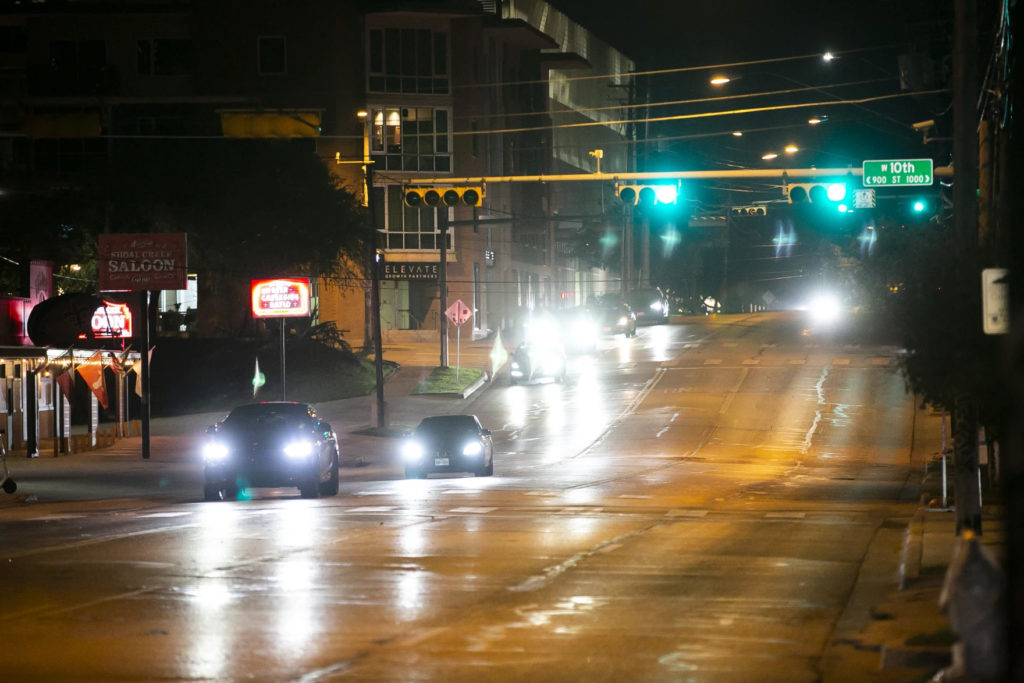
(258, 379)
(92, 372)
(65, 381)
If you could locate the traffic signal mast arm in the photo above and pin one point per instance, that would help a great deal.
(772, 173)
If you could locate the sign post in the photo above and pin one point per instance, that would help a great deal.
(281, 298)
(898, 172)
(458, 313)
(143, 262)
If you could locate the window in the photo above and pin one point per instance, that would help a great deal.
(408, 60)
(410, 139)
(273, 55)
(403, 226)
(165, 57)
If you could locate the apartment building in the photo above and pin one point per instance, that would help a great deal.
(421, 90)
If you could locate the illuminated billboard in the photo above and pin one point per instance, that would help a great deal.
(280, 298)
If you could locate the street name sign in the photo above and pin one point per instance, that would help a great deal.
(898, 172)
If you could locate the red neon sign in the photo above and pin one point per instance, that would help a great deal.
(280, 298)
(111, 321)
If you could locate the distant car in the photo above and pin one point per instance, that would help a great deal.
(650, 305)
(532, 362)
(270, 445)
(448, 443)
(617, 319)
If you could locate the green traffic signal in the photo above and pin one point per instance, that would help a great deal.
(919, 206)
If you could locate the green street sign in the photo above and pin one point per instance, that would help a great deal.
(898, 172)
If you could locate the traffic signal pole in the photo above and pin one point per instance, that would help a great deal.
(762, 173)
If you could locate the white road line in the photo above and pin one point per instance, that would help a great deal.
(634, 496)
(473, 511)
(373, 508)
(50, 518)
(713, 361)
(163, 514)
(686, 513)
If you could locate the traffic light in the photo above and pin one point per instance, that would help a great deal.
(834, 194)
(748, 211)
(647, 195)
(429, 197)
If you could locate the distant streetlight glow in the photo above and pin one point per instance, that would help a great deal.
(769, 156)
(791, 149)
(815, 120)
(737, 133)
(720, 80)
(828, 56)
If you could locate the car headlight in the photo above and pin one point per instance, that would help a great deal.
(412, 451)
(215, 452)
(656, 306)
(298, 449)
(473, 448)
(623, 320)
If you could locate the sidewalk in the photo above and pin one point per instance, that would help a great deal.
(906, 636)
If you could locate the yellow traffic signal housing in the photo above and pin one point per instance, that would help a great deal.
(647, 194)
(430, 197)
(817, 193)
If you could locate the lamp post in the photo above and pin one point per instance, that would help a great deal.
(378, 352)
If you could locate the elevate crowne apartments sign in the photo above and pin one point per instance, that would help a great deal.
(142, 261)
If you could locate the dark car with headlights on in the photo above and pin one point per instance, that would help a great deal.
(448, 443)
(532, 362)
(650, 305)
(617, 319)
(270, 445)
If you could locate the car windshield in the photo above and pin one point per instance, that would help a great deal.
(448, 425)
(268, 415)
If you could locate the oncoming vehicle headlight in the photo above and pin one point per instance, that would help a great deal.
(412, 451)
(623, 320)
(298, 449)
(215, 452)
(472, 448)
(656, 306)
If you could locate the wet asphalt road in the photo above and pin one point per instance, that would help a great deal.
(693, 504)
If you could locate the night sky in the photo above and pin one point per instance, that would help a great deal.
(869, 37)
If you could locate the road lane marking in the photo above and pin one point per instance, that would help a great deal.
(634, 496)
(879, 361)
(798, 361)
(373, 508)
(840, 361)
(54, 517)
(751, 361)
(713, 361)
(473, 511)
(686, 513)
(163, 514)
(548, 574)
(785, 515)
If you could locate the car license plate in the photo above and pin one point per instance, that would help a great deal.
(440, 461)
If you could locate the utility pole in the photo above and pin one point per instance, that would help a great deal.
(965, 219)
(442, 282)
(378, 346)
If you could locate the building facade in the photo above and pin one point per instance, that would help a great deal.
(417, 89)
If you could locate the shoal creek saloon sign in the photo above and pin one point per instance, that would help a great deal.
(135, 262)
(410, 271)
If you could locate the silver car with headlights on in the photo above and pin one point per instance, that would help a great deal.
(270, 445)
(448, 443)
